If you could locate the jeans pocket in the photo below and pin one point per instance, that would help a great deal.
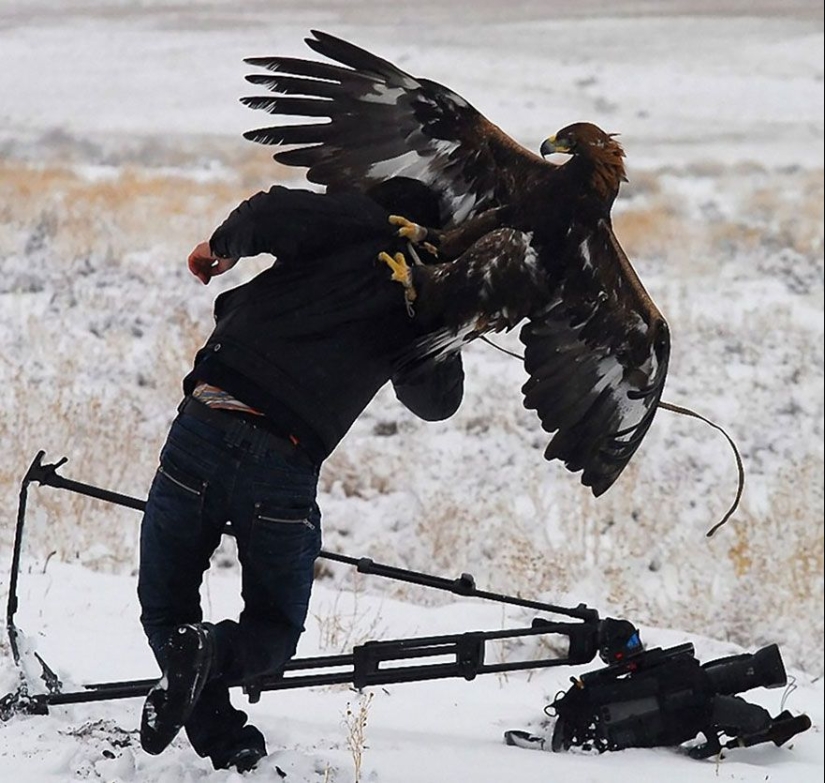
(283, 536)
(277, 516)
(182, 480)
(177, 499)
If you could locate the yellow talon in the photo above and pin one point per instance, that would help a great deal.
(408, 229)
(398, 265)
(401, 274)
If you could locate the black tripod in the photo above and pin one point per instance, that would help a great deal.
(643, 698)
(370, 663)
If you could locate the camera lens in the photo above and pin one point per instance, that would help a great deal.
(739, 673)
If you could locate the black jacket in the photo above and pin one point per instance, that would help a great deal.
(311, 340)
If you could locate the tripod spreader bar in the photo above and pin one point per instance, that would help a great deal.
(465, 585)
(463, 656)
(369, 664)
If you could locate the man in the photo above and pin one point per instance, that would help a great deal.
(296, 355)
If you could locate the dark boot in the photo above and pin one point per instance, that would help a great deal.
(189, 655)
(249, 748)
(218, 730)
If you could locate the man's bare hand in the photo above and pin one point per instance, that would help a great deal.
(205, 265)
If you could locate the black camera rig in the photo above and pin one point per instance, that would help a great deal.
(642, 698)
(649, 698)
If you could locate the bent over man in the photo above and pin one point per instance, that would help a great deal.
(296, 355)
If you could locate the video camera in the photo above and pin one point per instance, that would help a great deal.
(647, 698)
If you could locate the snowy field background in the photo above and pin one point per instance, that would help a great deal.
(121, 148)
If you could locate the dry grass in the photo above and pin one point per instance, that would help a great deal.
(651, 230)
(355, 721)
(68, 244)
(780, 210)
(345, 623)
(109, 208)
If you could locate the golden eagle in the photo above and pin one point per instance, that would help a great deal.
(524, 238)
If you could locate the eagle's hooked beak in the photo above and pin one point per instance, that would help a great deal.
(551, 145)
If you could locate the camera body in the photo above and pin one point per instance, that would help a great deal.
(661, 697)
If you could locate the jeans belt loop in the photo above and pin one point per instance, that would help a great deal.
(257, 439)
(234, 435)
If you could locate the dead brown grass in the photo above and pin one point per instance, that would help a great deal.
(121, 210)
(783, 210)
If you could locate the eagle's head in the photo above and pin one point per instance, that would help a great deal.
(586, 141)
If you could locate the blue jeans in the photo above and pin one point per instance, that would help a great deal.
(267, 489)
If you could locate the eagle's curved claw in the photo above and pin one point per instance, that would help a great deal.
(413, 232)
(409, 230)
(401, 274)
(400, 270)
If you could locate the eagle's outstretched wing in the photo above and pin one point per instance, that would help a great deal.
(384, 122)
(597, 358)
(596, 346)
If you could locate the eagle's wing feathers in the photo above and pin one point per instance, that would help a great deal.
(383, 122)
(597, 347)
(597, 358)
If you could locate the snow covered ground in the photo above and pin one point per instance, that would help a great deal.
(440, 731)
(121, 148)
